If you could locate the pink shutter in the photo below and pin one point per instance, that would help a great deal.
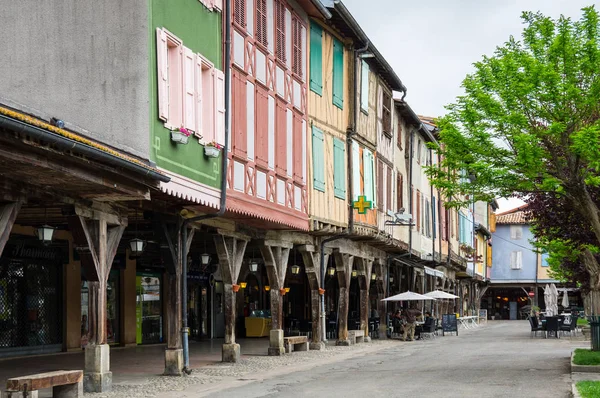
(219, 106)
(163, 76)
(198, 97)
(189, 105)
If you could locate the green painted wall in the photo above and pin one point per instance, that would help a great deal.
(200, 30)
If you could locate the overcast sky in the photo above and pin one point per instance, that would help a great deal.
(432, 44)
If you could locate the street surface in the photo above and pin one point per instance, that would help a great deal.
(497, 360)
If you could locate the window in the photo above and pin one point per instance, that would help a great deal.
(399, 192)
(338, 73)
(261, 22)
(280, 30)
(516, 232)
(318, 158)
(339, 169)
(190, 90)
(387, 113)
(297, 47)
(389, 189)
(380, 187)
(316, 58)
(516, 259)
(419, 151)
(239, 12)
(399, 134)
(364, 87)
(427, 219)
(369, 174)
(356, 171)
(418, 210)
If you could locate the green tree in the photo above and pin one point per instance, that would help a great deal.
(529, 123)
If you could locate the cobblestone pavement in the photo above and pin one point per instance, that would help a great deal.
(497, 360)
(223, 374)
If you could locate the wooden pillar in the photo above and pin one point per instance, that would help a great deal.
(380, 284)
(230, 250)
(312, 267)
(276, 255)
(102, 241)
(8, 215)
(364, 282)
(343, 265)
(128, 302)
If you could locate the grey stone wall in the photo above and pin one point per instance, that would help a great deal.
(82, 61)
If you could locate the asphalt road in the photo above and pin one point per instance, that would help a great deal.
(497, 360)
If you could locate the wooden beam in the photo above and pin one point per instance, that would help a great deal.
(343, 263)
(276, 255)
(8, 215)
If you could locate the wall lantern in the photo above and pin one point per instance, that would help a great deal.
(205, 258)
(354, 273)
(331, 271)
(253, 266)
(267, 288)
(295, 269)
(243, 285)
(391, 279)
(45, 234)
(287, 289)
(137, 247)
(373, 276)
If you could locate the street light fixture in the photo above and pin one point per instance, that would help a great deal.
(331, 271)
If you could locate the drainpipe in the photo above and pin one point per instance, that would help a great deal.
(433, 214)
(222, 206)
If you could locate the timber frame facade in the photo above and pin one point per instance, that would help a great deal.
(312, 123)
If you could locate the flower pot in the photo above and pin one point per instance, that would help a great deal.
(211, 151)
(179, 138)
(321, 291)
(235, 288)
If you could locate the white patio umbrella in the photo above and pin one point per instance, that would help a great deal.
(547, 300)
(408, 296)
(438, 294)
(565, 300)
(554, 294)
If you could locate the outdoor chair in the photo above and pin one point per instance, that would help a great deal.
(535, 327)
(429, 329)
(569, 327)
(553, 325)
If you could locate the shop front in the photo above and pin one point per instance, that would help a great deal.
(31, 296)
(149, 308)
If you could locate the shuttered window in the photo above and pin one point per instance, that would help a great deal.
(389, 189)
(338, 73)
(369, 175)
(418, 210)
(318, 157)
(386, 117)
(280, 30)
(516, 232)
(339, 169)
(356, 171)
(380, 187)
(399, 195)
(239, 12)
(364, 87)
(316, 58)
(434, 212)
(297, 46)
(261, 22)
(427, 218)
(516, 259)
(399, 134)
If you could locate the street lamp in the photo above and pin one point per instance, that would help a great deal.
(295, 269)
(253, 266)
(331, 271)
(205, 258)
(45, 234)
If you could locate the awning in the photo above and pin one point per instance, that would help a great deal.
(434, 272)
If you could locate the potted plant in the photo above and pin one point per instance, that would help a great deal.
(180, 135)
(468, 250)
(212, 149)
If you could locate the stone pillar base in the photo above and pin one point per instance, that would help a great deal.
(343, 342)
(68, 391)
(367, 339)
(317, 346)
(231, 353)
(97, 382)
(276, 342)
(382, 332)
(173, 362)
(97, 376)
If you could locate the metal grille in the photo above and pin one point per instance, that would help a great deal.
(30, 304)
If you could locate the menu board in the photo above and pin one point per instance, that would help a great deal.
(449, 324)
(483, 314)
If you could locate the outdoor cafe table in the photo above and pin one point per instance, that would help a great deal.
(468, 322)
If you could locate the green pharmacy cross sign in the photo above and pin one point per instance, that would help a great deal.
(362, 204)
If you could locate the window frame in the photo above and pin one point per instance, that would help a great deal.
(339, 191)
(386, 115)
(337, 82)
(243, 22)
(364, 87)
(279, 49)
(260, 24)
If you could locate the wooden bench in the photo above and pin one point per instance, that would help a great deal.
(64, 383)
(356, 336)
(295, 343)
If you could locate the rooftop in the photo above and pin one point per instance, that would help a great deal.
(514, 216)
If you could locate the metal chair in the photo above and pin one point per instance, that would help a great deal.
(535, 327)
(553, 325)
